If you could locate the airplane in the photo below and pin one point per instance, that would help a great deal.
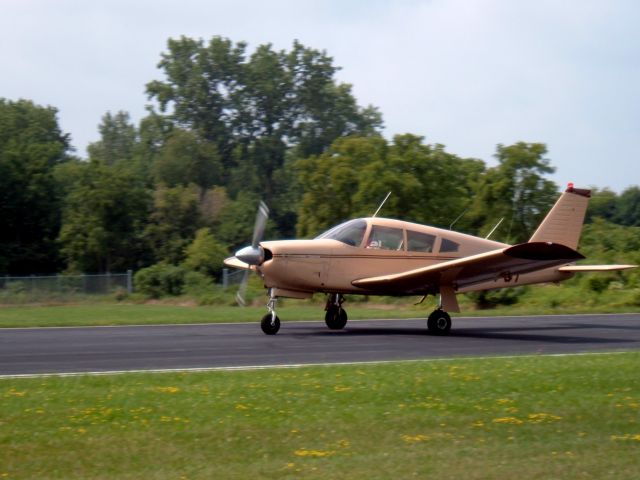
(382, 256)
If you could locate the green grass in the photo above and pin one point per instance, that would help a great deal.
(535, 301)
(526, 417)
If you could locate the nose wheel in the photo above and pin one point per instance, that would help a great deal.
(270, 324)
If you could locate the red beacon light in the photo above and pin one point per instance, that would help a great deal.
(570, 186)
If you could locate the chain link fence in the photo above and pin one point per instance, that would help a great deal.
(63, 287)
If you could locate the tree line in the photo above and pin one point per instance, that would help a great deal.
(225, 129)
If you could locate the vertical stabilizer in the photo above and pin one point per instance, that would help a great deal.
(563, 223)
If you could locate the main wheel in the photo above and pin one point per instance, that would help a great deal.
(335, 318)
(439, 322)
(270, 324)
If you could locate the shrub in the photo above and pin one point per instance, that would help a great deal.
(159, 280)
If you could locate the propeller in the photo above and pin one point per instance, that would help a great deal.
(253, 254)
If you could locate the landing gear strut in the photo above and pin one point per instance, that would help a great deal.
(336, 316)
(270, 323)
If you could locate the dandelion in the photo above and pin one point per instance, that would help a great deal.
(338, 388)
(543, 418)
(167, 389)
(508, 420)
(627, 437)
(415, 438)
(303, 452)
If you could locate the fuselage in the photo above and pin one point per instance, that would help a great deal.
(369, 247)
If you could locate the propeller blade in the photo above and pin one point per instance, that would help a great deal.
(254, 254)
(261, 222)
(242, 290)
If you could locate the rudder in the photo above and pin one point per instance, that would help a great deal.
(563, 223)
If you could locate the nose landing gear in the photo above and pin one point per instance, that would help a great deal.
(270, 323)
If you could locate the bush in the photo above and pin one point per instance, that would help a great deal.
(205, 254)
(159, 280)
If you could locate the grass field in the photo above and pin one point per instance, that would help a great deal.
(526, 417)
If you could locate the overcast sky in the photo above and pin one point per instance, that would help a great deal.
(466, 73)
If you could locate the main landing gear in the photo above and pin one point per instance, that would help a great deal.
(336, 316)
(439, 322)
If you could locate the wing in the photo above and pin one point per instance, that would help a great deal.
(501, 263)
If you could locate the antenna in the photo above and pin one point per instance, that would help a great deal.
(385, 199)
(494, 228)
(458, 218)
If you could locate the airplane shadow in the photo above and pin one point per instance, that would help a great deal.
(523, 334)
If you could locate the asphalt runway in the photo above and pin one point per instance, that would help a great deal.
(100, 349)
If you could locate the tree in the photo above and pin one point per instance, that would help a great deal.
(186, 159)
(603, 204)
(255, 109)
(118, 139)
(174, 219)
(103, 219)
(516, 191)
(31, 146)
(628, 207)
(428, 184)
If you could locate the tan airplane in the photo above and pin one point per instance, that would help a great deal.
(381, 256)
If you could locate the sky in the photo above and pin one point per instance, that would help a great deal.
(469, 74)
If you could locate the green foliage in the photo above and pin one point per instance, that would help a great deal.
(515, 190)
(205, 254)
(118, 139)
(31, 146)
(186, 159)
(173, 222)
(103, 219)
(428, 184)
(255, 109)
(159, 280)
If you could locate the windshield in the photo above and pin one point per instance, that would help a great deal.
(351, 232)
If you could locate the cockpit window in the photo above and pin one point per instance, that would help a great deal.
(449, 246)
(351, 232)
(386, 238)
(420, 242)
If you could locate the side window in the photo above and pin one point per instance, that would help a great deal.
(386, 238)
(420, 242)
(448, 246)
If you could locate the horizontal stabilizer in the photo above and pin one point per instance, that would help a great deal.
(594, 268)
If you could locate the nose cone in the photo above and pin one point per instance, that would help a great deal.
(251, 255)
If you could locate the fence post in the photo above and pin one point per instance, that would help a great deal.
(225, 277)
(129, 282)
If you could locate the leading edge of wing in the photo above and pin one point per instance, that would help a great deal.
(521, 258)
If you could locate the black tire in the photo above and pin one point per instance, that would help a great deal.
(270, 324)
(439, 322)
(335, 318)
